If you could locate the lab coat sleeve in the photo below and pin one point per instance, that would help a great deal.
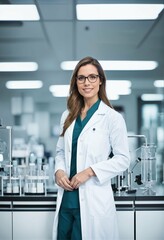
(107, 169)
(60, 153)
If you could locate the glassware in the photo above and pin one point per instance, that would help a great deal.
(40, 188)
(148, 167)
(15, 177)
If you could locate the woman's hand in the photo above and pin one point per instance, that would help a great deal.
(81, 177)
(62, 180)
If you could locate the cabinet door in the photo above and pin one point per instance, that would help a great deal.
(150, 225)
(126, 224)
(32, 225)
(5, 225)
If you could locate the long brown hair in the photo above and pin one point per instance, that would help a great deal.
(75, 101)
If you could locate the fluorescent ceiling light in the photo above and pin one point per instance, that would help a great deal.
(118, 87)
(152, 97)
(18, 12)
(59, 90)
(18, 66)
(32, 84)
(116, 65)
(159, 83)
(118, 11)
(129, 65)
(112, 96)
(119, 83)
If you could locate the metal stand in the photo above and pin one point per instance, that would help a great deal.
(130, 189)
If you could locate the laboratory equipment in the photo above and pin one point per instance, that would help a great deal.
(22, 174)
(130, 189)
(148, 170)
(147, 175)
(5, 155)
(129, 173)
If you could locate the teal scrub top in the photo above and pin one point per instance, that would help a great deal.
(71, 198)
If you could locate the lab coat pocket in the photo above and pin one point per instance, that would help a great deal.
(102, 200)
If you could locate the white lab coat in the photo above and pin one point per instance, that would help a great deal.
(105, 130)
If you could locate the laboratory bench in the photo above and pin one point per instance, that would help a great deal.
(31, 216)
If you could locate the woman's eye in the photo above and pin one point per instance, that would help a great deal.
(92, 77)
(81, 78)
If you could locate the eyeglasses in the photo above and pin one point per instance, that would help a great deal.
(92, 78)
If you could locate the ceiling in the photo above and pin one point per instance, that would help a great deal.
(59, 36)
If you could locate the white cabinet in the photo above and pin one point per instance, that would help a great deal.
(138, 219)
(32, 225)
(125, 216)
(5, 225)
(149, 220)
(150, 225)
(33, 220)
(126, 224)
(5, 220)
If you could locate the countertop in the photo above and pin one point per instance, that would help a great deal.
(139, 195)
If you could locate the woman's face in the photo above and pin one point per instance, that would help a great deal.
(88, 89)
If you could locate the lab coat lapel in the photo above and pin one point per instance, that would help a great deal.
(69, 133)
(97, 116)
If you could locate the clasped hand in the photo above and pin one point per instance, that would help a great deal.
(70, 184)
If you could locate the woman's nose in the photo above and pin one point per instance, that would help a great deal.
(86, 81)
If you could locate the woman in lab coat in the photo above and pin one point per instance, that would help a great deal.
(90, 130)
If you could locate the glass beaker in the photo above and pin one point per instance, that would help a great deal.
(148, 167)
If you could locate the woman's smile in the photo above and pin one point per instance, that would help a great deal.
(87, 90)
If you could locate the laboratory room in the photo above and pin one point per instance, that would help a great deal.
(109, 55)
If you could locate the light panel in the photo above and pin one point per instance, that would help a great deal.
(118, 87)
(116, 65)
(112, 96)
(119, 83)
(152, 97)
(59, 90)
(159, 83)
(118, 11)
(18, 12)
(18, 66)
(31, 84)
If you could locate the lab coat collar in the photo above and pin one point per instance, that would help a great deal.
(97, 116)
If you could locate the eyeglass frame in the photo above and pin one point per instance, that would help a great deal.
(83, 81)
